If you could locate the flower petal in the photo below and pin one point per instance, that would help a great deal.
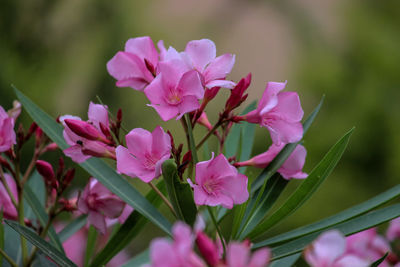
(201, 52)
(219, 68)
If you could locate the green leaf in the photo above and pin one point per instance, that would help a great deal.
(350, 227)
(139, 259)
(376, 263)
(345, 215)
(129, 230)
(90, 244)
(307, 188)
(285, 261)
(274, 187)
(42, 261)
(97, 168)
(285, 152)
(40, 243)
(180, 194)
(41, 215)
(232, 141)
(72, 228)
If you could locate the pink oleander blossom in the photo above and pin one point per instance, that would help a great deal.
(329, 250)
(393, 231)
(279, 112)
(9, 210)
(238, 255)
(136, 66)
(291, 168)
(178, 253)
(175, 91)
(7, 134)
(87, 139)
(99, 203)
(144, 154)
(219, 183)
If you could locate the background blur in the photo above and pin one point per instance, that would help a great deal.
(56, 51)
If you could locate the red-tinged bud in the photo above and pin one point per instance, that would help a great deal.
(209, 94)
(172, 139)
(203, 120)
(83, 129)
(98, 149)
(119, 115)
(232, 159)
(50, 147)
(150, 67)
(237, 119)
(106, 131)
(207, 248)
(236, 98)
(61, 167)
(58, 119)
(20, 134)
(68, 177)
(46, 170)
(15, 110)
(187, 157)
(38, 135)
(68, 204)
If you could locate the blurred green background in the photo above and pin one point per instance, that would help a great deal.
(56, 52)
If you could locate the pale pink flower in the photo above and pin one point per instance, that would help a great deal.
(175, 91)
(144, 154)
(178, 253)
(238, 255)
(291, 168)
(7, 134)
(393, 231)
(87, 139)
(280, 113)
(9, 210)
(136, 66)
(99, 203)
(219, 183)
(329, 250)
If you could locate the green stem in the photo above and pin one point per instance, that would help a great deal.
(209, 134)
(21, 216)
(10, 261)
(169, 205)
(217, 227)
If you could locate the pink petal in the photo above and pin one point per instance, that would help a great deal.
(190, 84)
(237, 255)
(162, 253)
(294, 164)
(260, 258)
(110, 206)
(144, 48)
(269, 98)
(125, 214)
(351, 260)
(166, 112)
(98, 221)
(155, 91)
(75, 153)
(220, 167)
(221, 83)
(189, 103)
(98, 114)
(236, 188)
(135, 83)
(161, 142)
(139, 142)
(126, 163)
(285, 132)
(172, 71)
(219, 68)
(289, 107)
(162, 49)
(201, 52)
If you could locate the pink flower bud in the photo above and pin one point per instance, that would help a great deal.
(207, 248)
(83, 129)
(236, 98)
(203, 120)
(98, 149)
(46, 170)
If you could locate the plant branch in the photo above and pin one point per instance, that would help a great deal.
(166, 201)
(10, 261)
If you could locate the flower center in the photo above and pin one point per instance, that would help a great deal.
(149, 161)
(91, 201)
(174, 96)
(212, 186)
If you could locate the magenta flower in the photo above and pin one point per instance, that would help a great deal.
(145, 153)
(87, 139)
(178, 253)
(136, 66)
(9, 210)
(100, 203)
(238, 255)
(329, 250)
(291, 168)
(7, 134)
(175, 91)
(219, 183)
(393, 231)
(280, 113)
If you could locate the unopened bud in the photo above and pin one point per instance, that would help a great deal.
(68, 177)
(207, 248)
(15, 111)
(98, 149)
(83, 129)
(46, 170)
(203, 120)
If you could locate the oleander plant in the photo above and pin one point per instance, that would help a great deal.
(203, 194)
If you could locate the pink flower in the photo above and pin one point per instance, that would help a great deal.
(89, 138)
(207, 248)
(178, 253)
(100, 203)
(238, 255)
(329, 250)
(219, 183)
(145, 153)
(393, 231)
(291, 168)
(280, 113)
(136, 66)
(175, 91)
(46, 171)
(9, 210)
(7, 134)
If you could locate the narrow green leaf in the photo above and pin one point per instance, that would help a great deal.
(345, 215)
(42, 261)
(206, 151)
(231, 145)
(247, 136)
(90, 244)
(47, 249)
(376, 263)
(180, 193)
(307, 187)
(72, 228)
(275, 186)
(129, 230)
(97, 168)
(287, 261)
(1, 236)
(41, 215)
(285, 152)
(139, 259)
(350, 227)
